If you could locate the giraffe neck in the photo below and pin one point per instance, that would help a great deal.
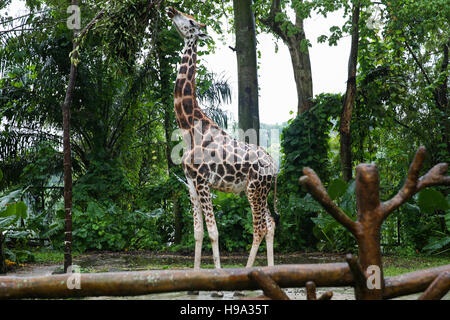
(186, 106)
(185, 85)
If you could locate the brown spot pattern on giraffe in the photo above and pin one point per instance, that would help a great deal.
(183, 70)
(191, 72)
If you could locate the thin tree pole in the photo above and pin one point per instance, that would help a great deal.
(67, 152)
(350, 96)
(77, 37)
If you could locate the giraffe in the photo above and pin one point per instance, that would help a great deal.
(214, 160)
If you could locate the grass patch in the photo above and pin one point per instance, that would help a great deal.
(396, 265)
(50, 256)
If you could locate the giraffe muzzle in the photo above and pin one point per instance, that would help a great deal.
(171, 12)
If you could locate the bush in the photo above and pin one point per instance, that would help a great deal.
(104, 226)
(332, 235)
(294, 231)
(305, 142)
(234, 222)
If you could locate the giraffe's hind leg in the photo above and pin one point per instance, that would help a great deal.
(207, 209)
(257, 196)
(269, 237)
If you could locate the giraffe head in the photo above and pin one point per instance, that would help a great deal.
(186, 26)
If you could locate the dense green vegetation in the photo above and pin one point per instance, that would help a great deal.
(127, 193)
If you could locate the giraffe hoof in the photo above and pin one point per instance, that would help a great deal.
(217, 294)
(239, 294)
(193, 293)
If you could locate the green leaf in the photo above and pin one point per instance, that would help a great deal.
(337, 188)
(431, 200)
(437, 244)
(21, 209)
(18, 209)
(9, 211)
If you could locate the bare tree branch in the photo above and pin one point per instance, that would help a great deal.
(438, 288)
(314, 186)
(268, 285)
(326, 296)
(436, 176)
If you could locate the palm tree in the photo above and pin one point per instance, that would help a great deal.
(216, 94)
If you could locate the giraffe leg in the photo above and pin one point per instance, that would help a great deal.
(198, 236)
(198, 224)
(207, 208)
(258, 203)
(254, 250)
(198, 228)
(269, 237)
(214, 236)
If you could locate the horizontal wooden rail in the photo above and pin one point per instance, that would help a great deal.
(412, 282)
(146, 282)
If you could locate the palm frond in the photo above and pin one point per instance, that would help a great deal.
(214, 91)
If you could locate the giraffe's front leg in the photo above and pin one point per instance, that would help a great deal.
(207, 208)
(198, 224)
(198, 228)
(198, 236)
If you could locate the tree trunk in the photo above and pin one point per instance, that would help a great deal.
(302, 68)
(442, 99)
(177, 213)
(67, 155)
(299, 52)
(369, 252)
(166, 95)
(244, 23)
(346, 114)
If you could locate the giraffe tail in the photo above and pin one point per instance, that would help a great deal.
(277, 215)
